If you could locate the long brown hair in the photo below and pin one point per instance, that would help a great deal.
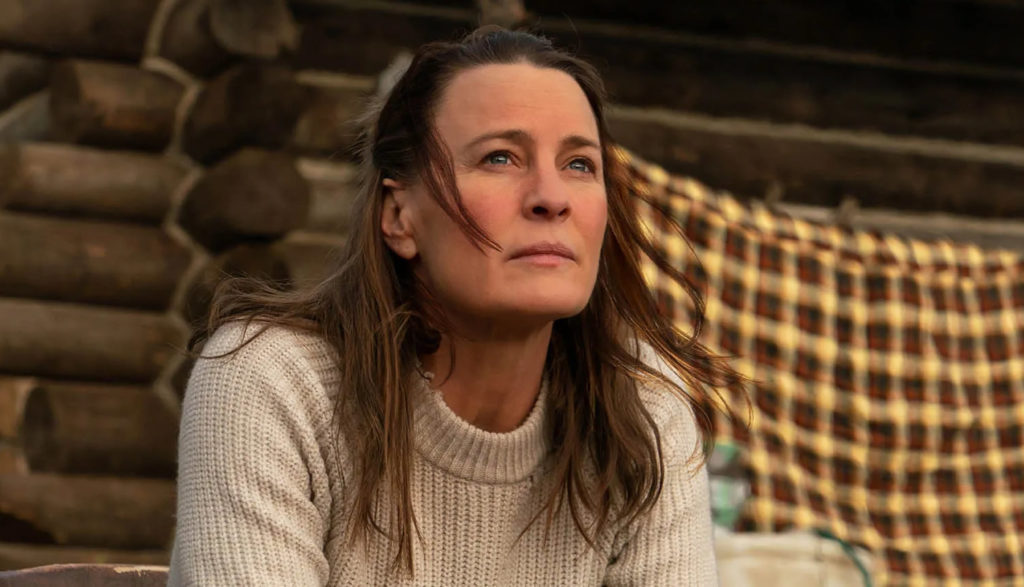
(379, 320)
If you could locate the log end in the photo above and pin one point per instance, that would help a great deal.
(188, 41)
(248, 105)
(256, 28)
(113, 105)
(252, 195)
(248, 260)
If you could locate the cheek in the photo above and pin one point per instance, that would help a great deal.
(594, 220)
(492, 204)
(447, 253)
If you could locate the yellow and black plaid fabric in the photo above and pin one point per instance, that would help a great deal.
(888, 406)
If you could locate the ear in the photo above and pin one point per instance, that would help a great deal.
(395, 222)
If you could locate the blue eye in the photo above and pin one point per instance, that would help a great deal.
(581, 165)
(498, 158)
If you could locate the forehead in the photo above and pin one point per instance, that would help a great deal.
(542, 101)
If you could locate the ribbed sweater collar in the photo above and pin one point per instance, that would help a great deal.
(458, 447)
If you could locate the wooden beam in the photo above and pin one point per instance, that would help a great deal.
(719, 77)
(88, 428)
(984, 233)
(86, 261)
(71, 341)
(253, 195)
(363, 39)
(69, 180)
(984, 31)
(113, 105)
(111, 575)
(723, 79)
(22, 556)
(824, 167)
(83, 510)
(249, 105)
(83, 28)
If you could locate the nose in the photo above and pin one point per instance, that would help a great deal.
(546, 197)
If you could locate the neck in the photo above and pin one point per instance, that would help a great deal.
(493, 382)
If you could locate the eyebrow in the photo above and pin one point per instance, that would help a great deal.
(519, 136)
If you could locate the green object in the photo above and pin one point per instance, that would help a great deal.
(729, 485)
(850, 552)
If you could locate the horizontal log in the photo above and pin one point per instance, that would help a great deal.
(710, 76)
(90, 511)
(113, 105)
(71, 341)
(362, 40)
(103, 429)
(676, 73)
(65, 179)
(23, 556)
(253, 195)
(115, 575)
(21, 74)
(985, 233)
(89, 28)
(824, 167)
(86, 261)
(248, 105)
(965, 30)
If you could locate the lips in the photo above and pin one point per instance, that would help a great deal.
(544, 248)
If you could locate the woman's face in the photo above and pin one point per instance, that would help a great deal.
(527, 160)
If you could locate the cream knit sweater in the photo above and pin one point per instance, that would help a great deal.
(263, 501)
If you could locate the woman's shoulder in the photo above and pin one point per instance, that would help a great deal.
(267, 340)
(266, 346)
(673, 413)
(269, 356)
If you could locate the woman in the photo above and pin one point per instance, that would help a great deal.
(482, 393)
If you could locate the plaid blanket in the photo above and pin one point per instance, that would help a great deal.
(888, 407)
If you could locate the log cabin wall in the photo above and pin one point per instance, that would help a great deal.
(148, 147)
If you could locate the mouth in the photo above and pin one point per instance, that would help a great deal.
(552, 250)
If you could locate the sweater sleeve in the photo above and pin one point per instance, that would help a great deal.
(246, 455)
(672, 545)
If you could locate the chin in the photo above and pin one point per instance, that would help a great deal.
(549, 309)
